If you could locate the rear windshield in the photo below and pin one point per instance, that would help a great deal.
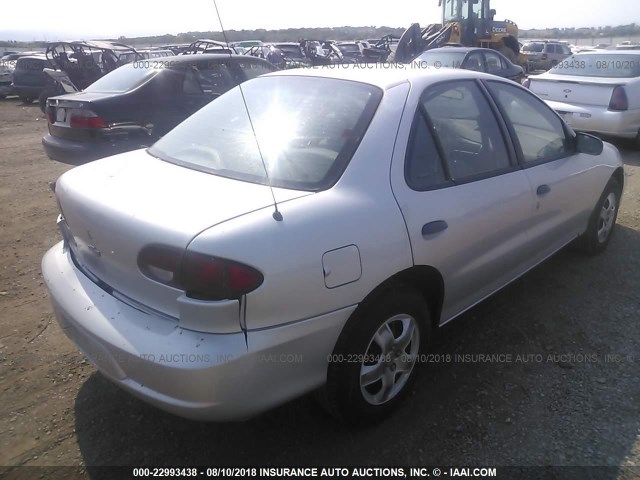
(604, 65)
(533, 47)
(34, 64)
(124, 79)
(307, 130)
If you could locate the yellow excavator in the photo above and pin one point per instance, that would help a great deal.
(468, 23)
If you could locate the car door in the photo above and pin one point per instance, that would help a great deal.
(561, 179)
(494, 64)
(466, 203)
(474, 61)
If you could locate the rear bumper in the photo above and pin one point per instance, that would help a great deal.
(28, 90)
(196, 375)
(602, 121)
(77, 152)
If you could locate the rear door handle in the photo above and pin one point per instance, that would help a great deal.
(434, 227)
(543, 190)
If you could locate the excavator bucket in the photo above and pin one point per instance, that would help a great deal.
(414, 41)
(410, 45)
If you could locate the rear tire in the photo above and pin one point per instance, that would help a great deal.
(27, 100)
(375, 359)
(42, 100)
(602, 221)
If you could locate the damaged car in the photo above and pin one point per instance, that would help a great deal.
(78, 64)
(136, 104)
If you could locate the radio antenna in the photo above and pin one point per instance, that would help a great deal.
(277, 216)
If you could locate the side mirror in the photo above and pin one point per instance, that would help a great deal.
(588, 144)
(492, 13)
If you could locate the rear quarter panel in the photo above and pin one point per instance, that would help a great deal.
(359, 210)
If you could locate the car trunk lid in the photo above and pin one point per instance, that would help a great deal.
(575, 89)
(115, 207)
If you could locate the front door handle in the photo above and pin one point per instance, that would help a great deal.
(434, 227)
(543, 190)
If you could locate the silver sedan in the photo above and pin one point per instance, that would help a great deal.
(595, 92)
(310, 230)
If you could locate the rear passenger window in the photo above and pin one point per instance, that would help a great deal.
(472, 142)
(209, 79)
(423, 165)
(540, 132)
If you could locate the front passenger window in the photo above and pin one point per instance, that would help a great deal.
(540, 132)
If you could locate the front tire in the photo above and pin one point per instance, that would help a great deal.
(602, 221)
(375, 359)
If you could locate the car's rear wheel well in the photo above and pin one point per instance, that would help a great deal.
(619, 176)
(425, 280)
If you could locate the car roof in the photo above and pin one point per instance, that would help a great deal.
(611, 52)
(385, 76)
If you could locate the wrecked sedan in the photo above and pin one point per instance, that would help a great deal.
(136, 104)
(245, 260)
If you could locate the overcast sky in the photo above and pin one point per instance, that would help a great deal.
(47, 20)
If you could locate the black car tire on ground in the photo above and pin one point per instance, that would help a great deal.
(27, 100)
(343, 395)
(590, 242)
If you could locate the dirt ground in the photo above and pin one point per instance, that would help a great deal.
(572, 397)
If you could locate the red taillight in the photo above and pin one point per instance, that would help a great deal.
(619, 101)
(51, 115)
(81, 121)
(210, 278)
(202, 277)
(161, 263)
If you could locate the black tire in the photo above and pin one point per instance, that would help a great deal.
(42, 99)
(357, 349)
(598, 235)
(636, 142)
(2, 96)
(27, 100)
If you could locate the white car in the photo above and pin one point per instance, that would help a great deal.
(601, 91)
(243, 261)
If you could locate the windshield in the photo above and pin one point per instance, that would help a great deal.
(455, 10)
(439, 59)
(604, 65)
(307, 130)
(124, 79)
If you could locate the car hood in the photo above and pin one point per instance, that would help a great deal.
(115, 207)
